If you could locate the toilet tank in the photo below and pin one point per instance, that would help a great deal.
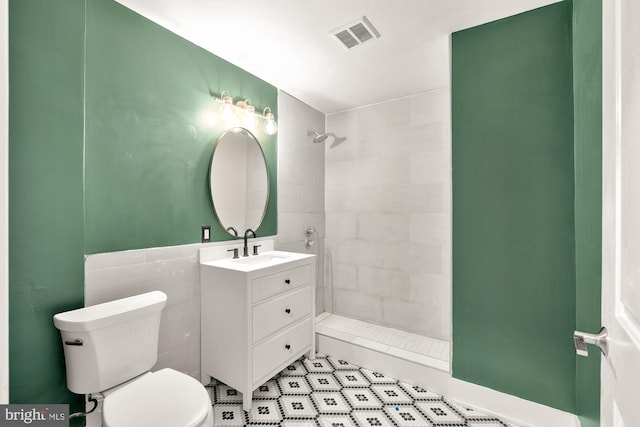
(108, 344)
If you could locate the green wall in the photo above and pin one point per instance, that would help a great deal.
(527, 142)
(147, 150)
(513, 206)
(587, 92)
(46, 226)
(107, 152)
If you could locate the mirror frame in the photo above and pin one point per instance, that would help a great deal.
(248, 133)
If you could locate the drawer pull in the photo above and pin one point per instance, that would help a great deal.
(288, 347)
(287, 281)
(287, 310)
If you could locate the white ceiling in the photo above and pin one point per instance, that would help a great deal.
(287, 42)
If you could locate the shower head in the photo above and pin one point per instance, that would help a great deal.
(317, 137)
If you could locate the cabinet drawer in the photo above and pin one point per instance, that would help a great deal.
(270, 316)
(273, 284)
(272, 353)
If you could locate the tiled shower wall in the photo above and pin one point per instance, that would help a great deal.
(301, 184)
(388, 213)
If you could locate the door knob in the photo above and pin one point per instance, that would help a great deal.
(581, 339)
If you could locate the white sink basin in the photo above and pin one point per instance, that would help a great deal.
(255, 262)
(268, 258)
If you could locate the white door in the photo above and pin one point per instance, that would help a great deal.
(620, 395)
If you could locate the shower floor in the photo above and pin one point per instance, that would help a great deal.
(416, 348)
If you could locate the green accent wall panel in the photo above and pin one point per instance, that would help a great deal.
(46, 240)
(147, 149)
(107, 152)
(513, 206)
(587, 88)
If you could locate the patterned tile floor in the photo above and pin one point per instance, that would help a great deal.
(328, 392)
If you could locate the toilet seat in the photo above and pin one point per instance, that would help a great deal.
(163, 398)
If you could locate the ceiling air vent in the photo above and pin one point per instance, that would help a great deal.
(355, 33)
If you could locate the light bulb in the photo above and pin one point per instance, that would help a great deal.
(270, 126)
(250, 120)
(208, 119)
(226, 110)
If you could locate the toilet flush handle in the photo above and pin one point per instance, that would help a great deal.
(77, 342)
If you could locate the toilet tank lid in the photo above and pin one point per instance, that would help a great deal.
(105, 314)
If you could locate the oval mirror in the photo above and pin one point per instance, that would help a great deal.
(239, 181)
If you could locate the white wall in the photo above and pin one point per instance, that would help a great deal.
(388, 213)
(173, 270)
(4, 202)
(301, 183)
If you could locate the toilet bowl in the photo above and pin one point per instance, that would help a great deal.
(109, 349)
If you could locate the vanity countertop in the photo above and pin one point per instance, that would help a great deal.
(252, 263)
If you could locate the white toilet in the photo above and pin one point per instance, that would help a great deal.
(109, 349)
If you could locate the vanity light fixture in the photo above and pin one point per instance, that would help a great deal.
(243, 113)
(270, 126)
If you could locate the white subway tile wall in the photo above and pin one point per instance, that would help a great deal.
(388, 213)
(172, 270)
(301, 183)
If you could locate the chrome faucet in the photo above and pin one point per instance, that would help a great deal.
(246, 249)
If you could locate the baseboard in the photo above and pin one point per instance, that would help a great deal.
(514, 409)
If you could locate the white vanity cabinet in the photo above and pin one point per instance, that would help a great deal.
(257, 317)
